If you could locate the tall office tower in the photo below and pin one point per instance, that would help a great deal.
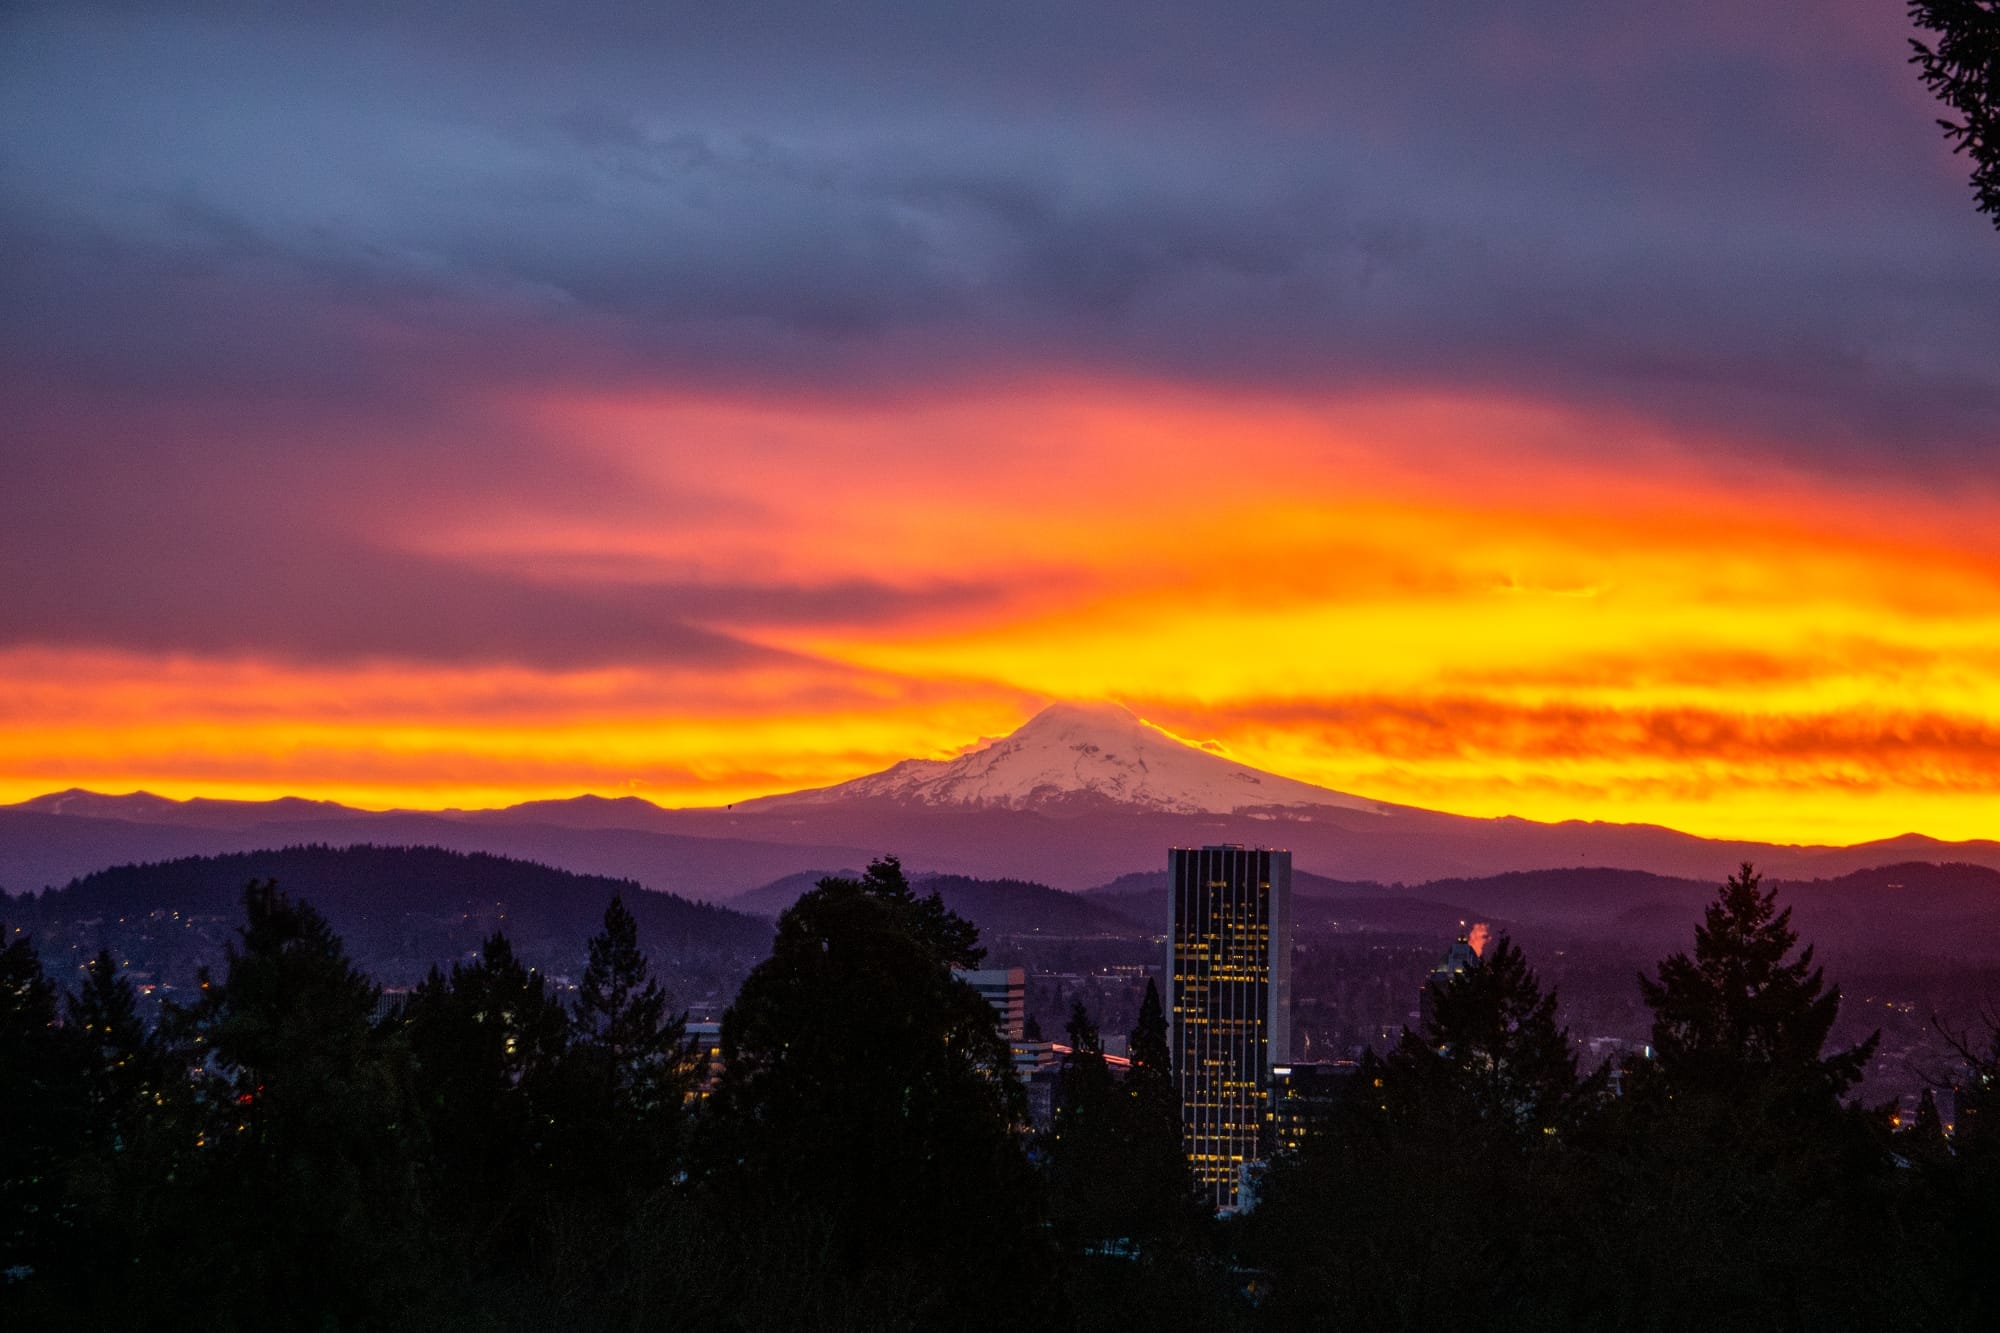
(1229, 963)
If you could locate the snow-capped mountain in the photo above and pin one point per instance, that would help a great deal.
(1080, 795)
(1079, 753)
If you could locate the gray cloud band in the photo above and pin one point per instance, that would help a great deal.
(357, 223)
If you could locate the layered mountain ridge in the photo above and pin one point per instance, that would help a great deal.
(1077, 796)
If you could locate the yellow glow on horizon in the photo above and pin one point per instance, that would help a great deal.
(1460, 605)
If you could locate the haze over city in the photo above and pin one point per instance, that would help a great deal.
(1537, 410)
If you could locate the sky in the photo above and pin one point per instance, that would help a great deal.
(1555, 409)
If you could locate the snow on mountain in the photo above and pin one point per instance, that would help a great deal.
(1070, 752)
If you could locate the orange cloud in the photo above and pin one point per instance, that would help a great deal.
(1484, 606)
(409, 735)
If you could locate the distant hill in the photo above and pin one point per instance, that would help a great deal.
(39, 849)
(1317, 902)
(769, 900)
(1910, 908)
(1582, 895)
(1304, 884)
(399, 910)
(1914, 909)
(1399, 915)
(1384, 911)
(1020, 907)
(997, 906)
(143, 807)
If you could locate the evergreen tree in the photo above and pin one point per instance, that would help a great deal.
(1976, 1095)
(122, 1076)
(1490, 1059)
(868, 1100)
(124, 1066)
(622, 1016)
(1961, 67)
(1445, 1163)
(488, 1044)
(1147, 1043)
(290, 1159)
(1923, 1141)
(1736, 1189)
(1963, 1183)
(1084, 1147)
(942, 932)
(1744, 1023)
(1121, 1196)
(41, 1109)
(1163, 1188)
(628, 1073)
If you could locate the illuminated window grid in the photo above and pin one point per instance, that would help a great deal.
(1229, 965)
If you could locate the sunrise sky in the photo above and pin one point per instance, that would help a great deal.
(1556, 409)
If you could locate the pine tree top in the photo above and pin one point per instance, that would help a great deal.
(1742, 1014)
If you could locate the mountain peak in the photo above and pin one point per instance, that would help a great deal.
(1078, 753)
(1090, 712)
(144, 807)
(83, 801)
(1097, 720)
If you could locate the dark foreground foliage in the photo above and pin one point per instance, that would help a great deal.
(1721, 1184)
(288, 1152)
(1959, 59)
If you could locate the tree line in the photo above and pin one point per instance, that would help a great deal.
(287, 1151)
(1723, 1182)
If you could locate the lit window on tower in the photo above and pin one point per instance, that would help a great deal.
(1229, 963)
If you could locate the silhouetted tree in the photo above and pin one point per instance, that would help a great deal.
(122, 1078)
(1744, 1022)
(1444, 1163)
(1976, 1091)
(124, 1065)
(1923, 1140)
(867, 1098)
(488, 1044)
(1162, 1204)
(1739, 1190)
(1490, 1060)
(291, 1156)
(1084, 1146)
(1962, 1184)
(622, 1020)
(1137, 1240)
(1961, 67)
(42, 1108)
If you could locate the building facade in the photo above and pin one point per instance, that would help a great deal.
(1006, 989)
(1457, 961)
(1229, 965)
(1302, 1098)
